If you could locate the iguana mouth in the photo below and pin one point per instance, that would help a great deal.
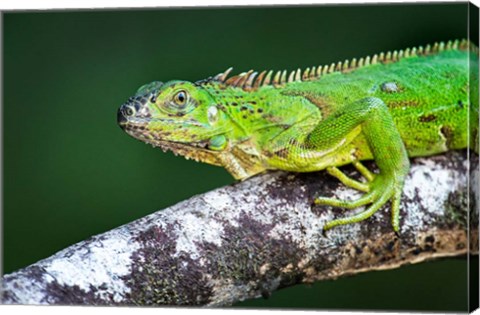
(197, 151)
(156, 139)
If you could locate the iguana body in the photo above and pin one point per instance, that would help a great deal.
(388, 107)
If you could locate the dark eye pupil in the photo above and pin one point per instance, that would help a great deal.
(181, 97)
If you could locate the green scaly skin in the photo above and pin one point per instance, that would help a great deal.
(387, 107)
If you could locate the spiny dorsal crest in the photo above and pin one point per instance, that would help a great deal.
(252, 80)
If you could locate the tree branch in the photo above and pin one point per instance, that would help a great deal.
(248, 239)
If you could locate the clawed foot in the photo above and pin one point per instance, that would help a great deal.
(379, 189)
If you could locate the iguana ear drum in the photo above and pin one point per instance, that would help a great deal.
(212, 114)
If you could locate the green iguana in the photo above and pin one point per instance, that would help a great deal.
(388, 107)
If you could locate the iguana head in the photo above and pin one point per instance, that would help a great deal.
(185, 118)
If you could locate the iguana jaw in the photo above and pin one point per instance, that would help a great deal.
(197, 151)
(234, 159)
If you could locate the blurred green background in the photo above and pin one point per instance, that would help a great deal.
(70, 172)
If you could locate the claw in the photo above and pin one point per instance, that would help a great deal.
(324, 233)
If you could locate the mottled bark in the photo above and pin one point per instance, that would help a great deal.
(248, 239)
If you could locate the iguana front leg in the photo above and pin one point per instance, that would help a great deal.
(387, 148)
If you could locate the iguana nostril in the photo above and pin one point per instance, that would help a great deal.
(124, 112)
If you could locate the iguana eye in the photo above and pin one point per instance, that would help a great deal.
(178, 102)
(180, 98)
